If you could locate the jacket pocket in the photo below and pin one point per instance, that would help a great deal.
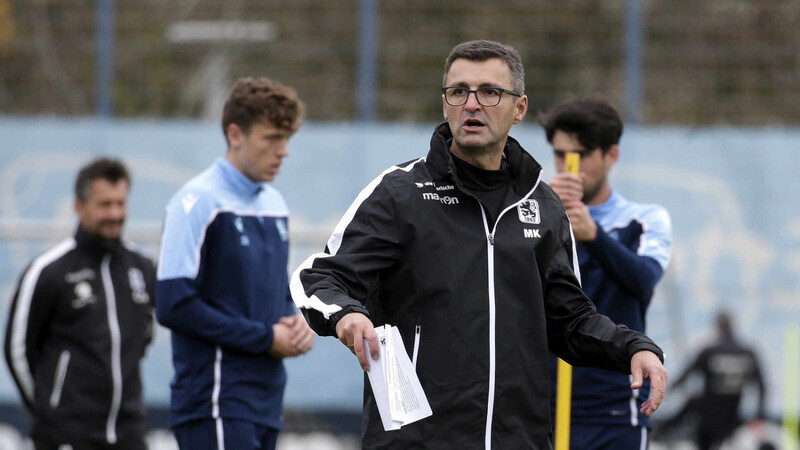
(58, 382)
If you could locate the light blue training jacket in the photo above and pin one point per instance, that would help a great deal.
(222, 284)
(619, 272)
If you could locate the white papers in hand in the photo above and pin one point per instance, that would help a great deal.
(394, 382)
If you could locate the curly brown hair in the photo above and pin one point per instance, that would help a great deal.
(253, 100)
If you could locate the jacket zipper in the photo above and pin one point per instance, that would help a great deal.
(116, 363)
(58, 381)
(490, 268)
(417, 332)
(490, 238)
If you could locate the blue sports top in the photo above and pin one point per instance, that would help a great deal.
(619, 272)
(222, 284)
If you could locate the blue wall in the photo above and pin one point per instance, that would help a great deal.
(732, 193)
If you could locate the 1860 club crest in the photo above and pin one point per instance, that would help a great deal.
(528, 212)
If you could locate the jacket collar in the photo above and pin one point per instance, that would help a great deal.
(93, 242)
(237, 180)
(524, 168)
(614, 202)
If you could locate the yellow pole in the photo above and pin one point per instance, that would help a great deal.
(564, 386)
(791, 393)
(573, 163)
(563, 404)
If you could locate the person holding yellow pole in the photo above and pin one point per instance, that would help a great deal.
(623, 250)
(564, 374)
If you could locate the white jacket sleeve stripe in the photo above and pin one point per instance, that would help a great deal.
(575, 265)
(296, 287)
(19, 327)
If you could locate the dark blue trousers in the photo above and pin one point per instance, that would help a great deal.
(225, 434)
(605, 437)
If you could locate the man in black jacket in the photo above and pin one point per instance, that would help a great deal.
(80, 321)
(472, 258)
(727, 367)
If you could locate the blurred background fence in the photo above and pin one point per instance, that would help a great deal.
(685, 62)
(709, 90)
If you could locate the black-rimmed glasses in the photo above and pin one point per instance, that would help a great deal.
(486, 96)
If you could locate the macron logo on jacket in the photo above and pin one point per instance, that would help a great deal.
(188, 202)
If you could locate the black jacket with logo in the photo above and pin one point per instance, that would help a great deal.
(482, 306)
(80, 321)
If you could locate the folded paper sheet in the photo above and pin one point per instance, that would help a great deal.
(395, 385)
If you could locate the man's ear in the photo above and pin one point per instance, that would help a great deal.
(521, 109)
(613, 153)
(234, 134)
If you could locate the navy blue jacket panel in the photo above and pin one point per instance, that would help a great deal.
(619, 271)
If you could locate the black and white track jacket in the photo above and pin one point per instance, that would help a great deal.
(478, 307)
(79, 324)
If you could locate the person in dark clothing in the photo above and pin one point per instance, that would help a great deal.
(471, 256)
(80, 321)
(727, 367)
